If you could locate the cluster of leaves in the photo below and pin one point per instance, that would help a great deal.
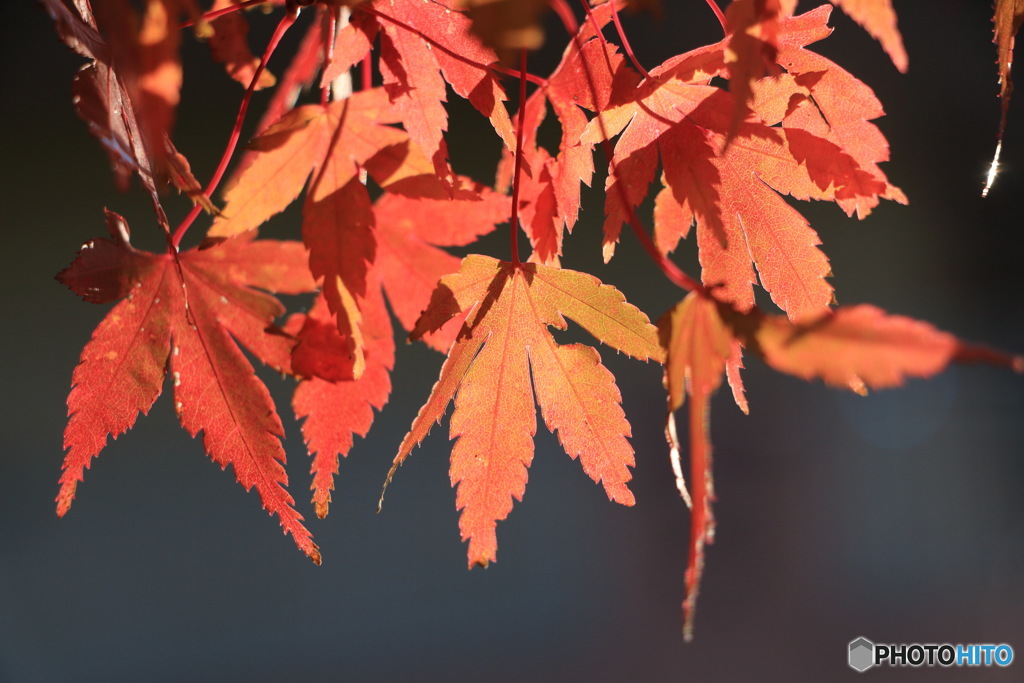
(381, 202)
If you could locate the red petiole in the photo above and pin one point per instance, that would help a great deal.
(517, 173)
(236, 131)
(670, 269)
(718, 13)
(625, 41)
(210, 16)
(462, 58)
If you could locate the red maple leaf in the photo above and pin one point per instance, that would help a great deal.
(333, 404)
(336, 405)
(549, 194)
(421, 39)
(328, 145)
(107, 93)
(180, 316)
(732, 194)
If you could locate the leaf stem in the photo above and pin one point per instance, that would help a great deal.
(625, 41)
(236, 131)
(210, 16)
(367, 72)
(462, 58)
(718, 14)
(332, 36)
(670, 269)
(517, 173)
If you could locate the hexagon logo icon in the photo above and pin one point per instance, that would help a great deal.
(862, 654)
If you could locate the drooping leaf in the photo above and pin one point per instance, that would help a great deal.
(503, 344)
(698, 348)
(852, 348)
(181, 316)
(106, 92)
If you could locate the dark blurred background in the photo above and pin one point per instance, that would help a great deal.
(897, 516)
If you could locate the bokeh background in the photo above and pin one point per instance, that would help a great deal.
(897, 516)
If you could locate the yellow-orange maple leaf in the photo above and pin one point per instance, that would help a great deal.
(505, 342)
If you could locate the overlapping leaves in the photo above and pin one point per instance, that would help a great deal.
(381, 202)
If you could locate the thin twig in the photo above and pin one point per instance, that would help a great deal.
(236, 131)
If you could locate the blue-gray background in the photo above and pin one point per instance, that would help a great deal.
(896, 516)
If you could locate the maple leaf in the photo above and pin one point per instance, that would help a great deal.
(462, 59)
(412, 78)
(879, 19)
(180, 316)
(106, 92)
(752, 27)
(825, 115)
(505, 341)
(329, 145)
(408, 264)
(742, 222)
(858, 346)
(334, 407)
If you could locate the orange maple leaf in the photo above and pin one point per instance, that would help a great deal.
(504, 340)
